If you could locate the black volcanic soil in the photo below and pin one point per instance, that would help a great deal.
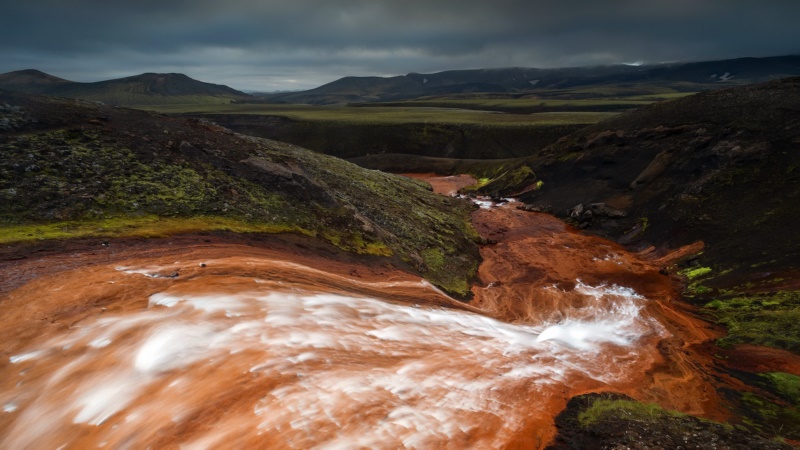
(722, 167)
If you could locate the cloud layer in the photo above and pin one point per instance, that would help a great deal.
(269, 45)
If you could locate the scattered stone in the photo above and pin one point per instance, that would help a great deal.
(576, 211)
(535, 208)
(603, 210)
(605, 138)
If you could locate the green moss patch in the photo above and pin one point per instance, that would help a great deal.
(521, 178)
(147, 226)
(610, 409)
(695, 272)
(771, 319)
(785, 385)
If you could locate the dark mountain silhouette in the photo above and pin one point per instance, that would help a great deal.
(31, 81)
(689, 77)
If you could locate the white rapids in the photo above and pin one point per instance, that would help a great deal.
(298, 369)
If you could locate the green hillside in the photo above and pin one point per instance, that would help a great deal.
(73, 169)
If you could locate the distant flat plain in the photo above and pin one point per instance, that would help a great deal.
(389, 114)
(551, 108)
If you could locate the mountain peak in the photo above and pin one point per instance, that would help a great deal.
(143, 89)
(30, 80)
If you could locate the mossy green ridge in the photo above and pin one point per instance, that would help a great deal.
(71, 169)
(611, 420)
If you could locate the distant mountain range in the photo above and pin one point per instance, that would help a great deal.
(144, 89)
(175, 88)
(681, 77)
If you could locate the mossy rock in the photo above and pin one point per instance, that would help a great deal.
(611, 420)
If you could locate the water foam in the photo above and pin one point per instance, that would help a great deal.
(351, 371)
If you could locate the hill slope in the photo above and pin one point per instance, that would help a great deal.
(722, 167)
(690, 77)
(72, 168)
(144, 89)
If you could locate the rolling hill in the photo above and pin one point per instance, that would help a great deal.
(144, 89)
(77, 169)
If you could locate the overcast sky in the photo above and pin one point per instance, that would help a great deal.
(298, 44)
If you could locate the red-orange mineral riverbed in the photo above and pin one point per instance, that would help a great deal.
(224, 342)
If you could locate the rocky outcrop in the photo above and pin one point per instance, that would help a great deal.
(620, 422)
(721, 167)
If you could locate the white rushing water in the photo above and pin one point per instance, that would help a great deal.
(311, 370)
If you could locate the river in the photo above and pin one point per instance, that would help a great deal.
(207, 343)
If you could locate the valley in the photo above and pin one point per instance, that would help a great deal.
(592, 265)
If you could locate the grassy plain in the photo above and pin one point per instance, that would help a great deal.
(524, 105)
(595, 99)
(387, 115)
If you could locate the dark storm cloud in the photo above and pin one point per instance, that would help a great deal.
(278, 44)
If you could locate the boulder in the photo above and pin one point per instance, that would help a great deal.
(576, 211)
(603, 210)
